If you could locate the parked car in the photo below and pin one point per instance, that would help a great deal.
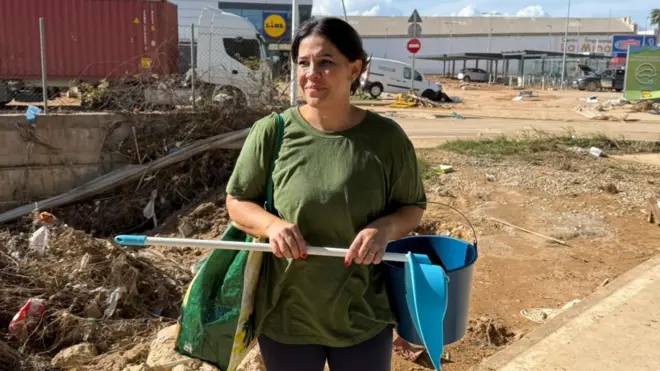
(611, 78)
(391, 76)
(473, 74)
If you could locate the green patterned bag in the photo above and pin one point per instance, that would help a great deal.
(215, 324)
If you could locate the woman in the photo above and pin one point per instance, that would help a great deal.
(344, 177)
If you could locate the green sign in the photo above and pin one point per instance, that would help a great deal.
(642, 68)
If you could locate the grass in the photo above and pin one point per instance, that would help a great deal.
(537, 141)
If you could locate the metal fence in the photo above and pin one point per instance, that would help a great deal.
(200, 65)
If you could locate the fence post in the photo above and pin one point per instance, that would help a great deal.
(192, 63)
(42, 43)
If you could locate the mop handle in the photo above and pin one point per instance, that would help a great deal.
(134, 240)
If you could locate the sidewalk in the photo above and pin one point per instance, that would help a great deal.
(616, 328)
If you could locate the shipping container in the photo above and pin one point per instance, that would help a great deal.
(87, 40)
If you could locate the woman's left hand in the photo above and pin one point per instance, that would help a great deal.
(368, 247)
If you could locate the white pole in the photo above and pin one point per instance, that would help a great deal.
(42, 42)
(294, 78)
(412, 79)
(563, 59)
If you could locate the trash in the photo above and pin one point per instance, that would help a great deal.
(457, 116)
(31, 114)
(444, 169)
(541, 315)
(518, 98)
(27, 318)
(39, 240)
(112, 301)
(149, 211)
(597, 152)
(592, 99)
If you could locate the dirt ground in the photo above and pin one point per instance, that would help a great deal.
(487, 111)
(596, 205)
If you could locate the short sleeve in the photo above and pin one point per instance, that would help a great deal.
(407, 187)
(248, 179)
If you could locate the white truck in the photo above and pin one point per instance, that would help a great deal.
(229, 62)
(391, 76)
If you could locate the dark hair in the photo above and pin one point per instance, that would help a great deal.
(338, 32)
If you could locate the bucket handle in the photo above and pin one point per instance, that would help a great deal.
(474, 232)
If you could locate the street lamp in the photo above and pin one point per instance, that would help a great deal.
(490, 25)
(549, 37)
(563, 59)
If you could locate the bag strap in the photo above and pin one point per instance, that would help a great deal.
(279, 134)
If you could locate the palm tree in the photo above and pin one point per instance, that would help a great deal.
(655, 17)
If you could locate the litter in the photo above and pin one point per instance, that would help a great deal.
(592, 99)
(597, 152)
(444, 169)
(39, 240)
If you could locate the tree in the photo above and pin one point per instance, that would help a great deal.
(655, 17)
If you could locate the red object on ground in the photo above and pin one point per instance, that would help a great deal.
(414, 45)
(88, 39)
(27, 318)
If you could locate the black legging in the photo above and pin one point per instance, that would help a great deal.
(374, 354)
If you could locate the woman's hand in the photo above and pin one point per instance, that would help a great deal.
(286, 240)
(368, 247)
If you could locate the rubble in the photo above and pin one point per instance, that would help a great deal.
(75, 356)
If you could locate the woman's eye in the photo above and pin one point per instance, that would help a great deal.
(303, 63)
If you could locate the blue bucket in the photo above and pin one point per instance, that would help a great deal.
(457, 258)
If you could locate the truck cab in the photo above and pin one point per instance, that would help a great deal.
(231, 57)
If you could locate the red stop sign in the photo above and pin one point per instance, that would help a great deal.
(414, 45)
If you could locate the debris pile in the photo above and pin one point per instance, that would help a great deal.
(72, 288)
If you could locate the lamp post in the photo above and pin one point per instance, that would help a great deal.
(293, 99)
(563, 59)
(490, 25)
(549, 37)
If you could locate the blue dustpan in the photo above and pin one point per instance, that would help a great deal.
(426, 297)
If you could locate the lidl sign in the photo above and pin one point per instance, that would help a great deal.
(274, 25)
(642, 79)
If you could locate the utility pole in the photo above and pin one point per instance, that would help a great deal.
(294, 76)
(563, 59)
(490, 26)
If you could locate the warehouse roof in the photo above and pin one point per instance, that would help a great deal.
(369, 26)
(518, 54)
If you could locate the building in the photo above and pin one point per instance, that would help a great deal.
(272, 18)
(386, 37)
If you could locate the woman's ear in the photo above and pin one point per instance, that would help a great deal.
(356, 69)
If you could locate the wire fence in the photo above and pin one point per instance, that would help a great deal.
(196, 66)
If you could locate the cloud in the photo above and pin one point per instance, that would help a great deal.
(532, 11)
(356, 7)
(468, 11)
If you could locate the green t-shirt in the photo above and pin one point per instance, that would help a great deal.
(331, 185)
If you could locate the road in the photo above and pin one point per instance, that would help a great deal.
(426, 132)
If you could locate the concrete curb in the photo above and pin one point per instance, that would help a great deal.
(506, 355)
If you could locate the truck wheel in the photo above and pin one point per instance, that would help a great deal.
(592, 86)
(429, 94)
(375, 90)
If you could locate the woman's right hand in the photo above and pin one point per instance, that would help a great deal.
(286, 240)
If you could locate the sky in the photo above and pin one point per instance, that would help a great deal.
(466, 8)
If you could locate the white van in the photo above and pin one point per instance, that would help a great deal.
(390, 76)
(231, 57)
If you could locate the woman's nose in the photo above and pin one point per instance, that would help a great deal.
(313, 71)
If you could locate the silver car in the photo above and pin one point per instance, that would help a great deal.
(473, 74)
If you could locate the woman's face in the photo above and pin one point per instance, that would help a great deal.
(324, 73)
